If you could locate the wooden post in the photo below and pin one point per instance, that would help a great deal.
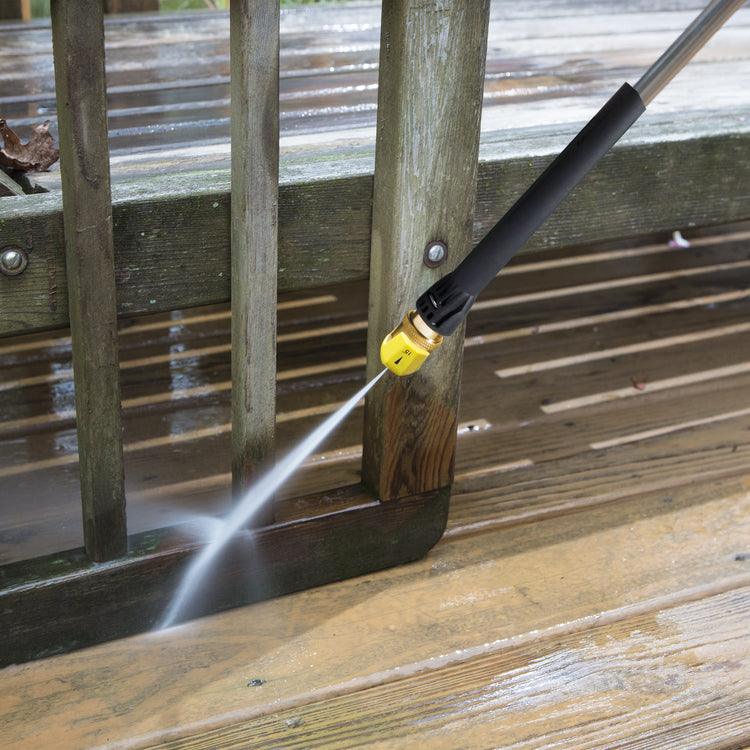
(429, 104)
(78, 45)
(254, 41)
(15, 9)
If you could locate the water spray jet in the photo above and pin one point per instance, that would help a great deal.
(254, 499)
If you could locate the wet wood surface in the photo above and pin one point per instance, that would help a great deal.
(169, 110)
(573, 361)
(621, 625)
(63, 602)
(591, 588)
(551, 66)
(424, 191)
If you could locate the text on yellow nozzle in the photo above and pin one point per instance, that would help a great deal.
(408, 345)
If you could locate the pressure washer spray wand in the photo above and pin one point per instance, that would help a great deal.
(442, 308)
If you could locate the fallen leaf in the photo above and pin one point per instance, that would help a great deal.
(38, 154)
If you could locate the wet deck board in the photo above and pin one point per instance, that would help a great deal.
(168, 79)
(617, 626)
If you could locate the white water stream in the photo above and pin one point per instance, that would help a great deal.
(253, 500)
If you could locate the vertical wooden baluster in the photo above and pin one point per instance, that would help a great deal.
(78, 41)
(255, 175)
(15, 9)
(429, 104)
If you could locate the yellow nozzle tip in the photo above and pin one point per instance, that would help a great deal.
(401, 355)
(405, 348)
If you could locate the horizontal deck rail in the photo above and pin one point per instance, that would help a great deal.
(168, 230)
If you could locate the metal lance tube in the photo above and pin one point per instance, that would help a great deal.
(441, 309)
(684, 48)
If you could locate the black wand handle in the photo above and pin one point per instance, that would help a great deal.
(446, 303)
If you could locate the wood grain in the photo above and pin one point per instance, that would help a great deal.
(559, 692)
(254, 237)
(682, 166)
(591, 589)
(79, 54)
(176, 380)
(348, 537)
(547, 611)
(424, 191)
(559, 566)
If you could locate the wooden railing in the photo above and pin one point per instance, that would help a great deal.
(78, 41)
(424, 189)
(408, 452)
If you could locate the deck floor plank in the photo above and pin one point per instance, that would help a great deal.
(659, 669)
(479, 598)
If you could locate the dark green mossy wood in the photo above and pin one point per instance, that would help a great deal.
(172, 235)
(46, 604)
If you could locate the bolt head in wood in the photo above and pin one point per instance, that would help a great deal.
(13, 260)
(435, 254)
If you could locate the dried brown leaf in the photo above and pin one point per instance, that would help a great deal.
(639, 381)
(38, 154)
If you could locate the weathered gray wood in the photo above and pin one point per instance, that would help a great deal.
(8, 186)
(548, 63)
(254, 235)
(664, 175)
(430, 96)
(176, 225)
(78, 36)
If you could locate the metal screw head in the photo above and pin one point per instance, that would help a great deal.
(13, 260)
(435, 254)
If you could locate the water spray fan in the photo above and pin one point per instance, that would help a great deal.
(441, 308)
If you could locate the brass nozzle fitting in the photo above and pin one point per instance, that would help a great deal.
(409, 344)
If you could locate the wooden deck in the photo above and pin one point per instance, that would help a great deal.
(561, 333)
(592, 589)
(551, 65)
